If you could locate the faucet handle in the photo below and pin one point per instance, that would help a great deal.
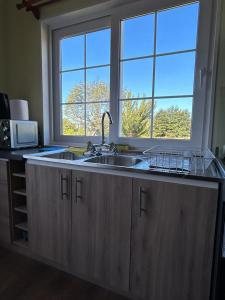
(91, 148)
(113, 148)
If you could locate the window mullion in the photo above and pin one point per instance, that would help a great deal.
(115, 78)
(85, 84)
(153, 77)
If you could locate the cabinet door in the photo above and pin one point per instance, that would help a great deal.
(101, 223)
(4, 204)
(172, 240)
(49, 203)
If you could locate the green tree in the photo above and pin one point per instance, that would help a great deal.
(172, 123)
(136, 118)
(72, 128)
(135, 115)
(74, 114)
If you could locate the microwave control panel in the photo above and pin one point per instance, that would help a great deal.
(5, 141)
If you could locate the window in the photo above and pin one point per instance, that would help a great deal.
(143, 63)
(85, 82)
(157, 64)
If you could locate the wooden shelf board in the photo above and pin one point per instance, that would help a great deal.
(21, 243)
(21, 208)
(22, 226)
(21, 192)
(22, 175)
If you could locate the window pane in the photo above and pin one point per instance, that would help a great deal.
(93, 118)
(73, 119)
(98, 84)
(172, 118)
(98, 48)
(177, 28)
(72, 53)
(135, 118)
(73, 87)
(137, 36)
(175, 74)
(136, 78)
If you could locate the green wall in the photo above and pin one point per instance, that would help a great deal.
(20, 58)
(66, 6)
(20, 54)
(2, 49)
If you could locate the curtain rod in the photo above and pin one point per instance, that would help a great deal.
(34, 6)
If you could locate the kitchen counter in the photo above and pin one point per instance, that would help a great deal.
(214, 172)
(10, 155)
(19, 154)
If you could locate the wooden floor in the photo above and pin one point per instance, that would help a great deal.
(221, 289)
(22, 278)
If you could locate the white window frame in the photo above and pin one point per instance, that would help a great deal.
(111, 18)
(82, 28)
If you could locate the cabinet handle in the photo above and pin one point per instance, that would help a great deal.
(141, 193)
(78, 196)
(64, 193)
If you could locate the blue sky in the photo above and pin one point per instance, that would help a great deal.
(174, 74)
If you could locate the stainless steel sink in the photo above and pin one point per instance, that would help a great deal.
(62, 155)
(117, 160)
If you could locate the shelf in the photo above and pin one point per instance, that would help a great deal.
(22, 226)
(21, 175)
(21, 192)
(21, 243)
(22, 209)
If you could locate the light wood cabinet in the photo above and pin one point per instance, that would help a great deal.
(147, 238)
(101, 223)
(173, 231)
(4, 204)
(49, 204)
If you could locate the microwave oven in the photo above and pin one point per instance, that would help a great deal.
(18, 134)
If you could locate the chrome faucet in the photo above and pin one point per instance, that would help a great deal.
(103, 125)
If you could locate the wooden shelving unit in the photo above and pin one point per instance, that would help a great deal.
(20, 230)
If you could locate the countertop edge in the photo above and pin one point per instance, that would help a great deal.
(167, 177)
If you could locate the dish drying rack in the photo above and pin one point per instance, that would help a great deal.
(179, 161)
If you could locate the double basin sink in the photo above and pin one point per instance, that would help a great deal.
(117, 160)
(111, 160)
